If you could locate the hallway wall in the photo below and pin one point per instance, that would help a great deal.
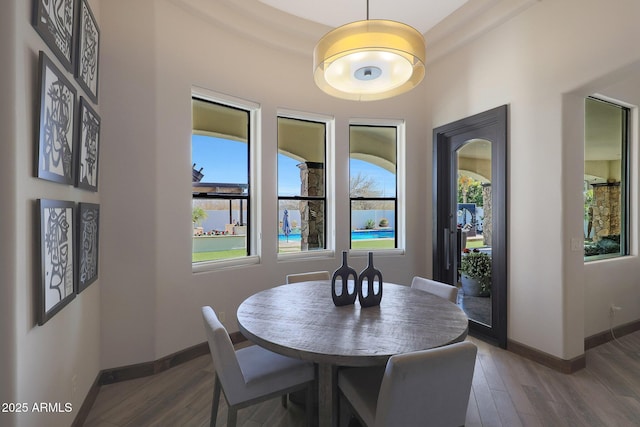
(58, 361)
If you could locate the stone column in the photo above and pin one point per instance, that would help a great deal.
(487, 221)
(606, 210)
(311, 212)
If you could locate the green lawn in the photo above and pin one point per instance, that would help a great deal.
(211, 256)
(475, 243)
(373, 244)
(237, 253)
(355, 244)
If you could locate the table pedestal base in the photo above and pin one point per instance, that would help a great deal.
(327, 395)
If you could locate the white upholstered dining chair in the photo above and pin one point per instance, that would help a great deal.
(440, 289)
(251, 374)
(304, 277)
(428, 387)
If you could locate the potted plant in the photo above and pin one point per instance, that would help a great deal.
(475, 269)
(369, 224)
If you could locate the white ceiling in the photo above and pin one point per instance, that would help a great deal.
(297, 25)
(420, 14)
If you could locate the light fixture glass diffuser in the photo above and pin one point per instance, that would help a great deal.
(369, 60)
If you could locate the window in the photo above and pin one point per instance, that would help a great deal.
(302, 201)
(606, 183)
(221, 184)
(373, 185)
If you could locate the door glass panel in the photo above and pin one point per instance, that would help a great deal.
(474, 229)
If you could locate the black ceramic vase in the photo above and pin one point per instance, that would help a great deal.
(341, 278)
(367, 278)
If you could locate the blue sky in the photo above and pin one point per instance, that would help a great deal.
(225, 161)
(222, 160)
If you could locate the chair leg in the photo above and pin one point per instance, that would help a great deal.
(285, 400)
(232, 417)
(216, 401)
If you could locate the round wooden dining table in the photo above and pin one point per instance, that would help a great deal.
(300, 320)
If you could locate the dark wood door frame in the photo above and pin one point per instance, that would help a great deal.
(492, 126)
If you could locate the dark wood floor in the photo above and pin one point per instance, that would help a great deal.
(507, 391)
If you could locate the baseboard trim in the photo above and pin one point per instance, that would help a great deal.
(561, 365)
(88, 402)
(577, 363)
(140, 370)
(604, 337)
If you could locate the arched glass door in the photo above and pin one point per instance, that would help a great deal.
(470, 224)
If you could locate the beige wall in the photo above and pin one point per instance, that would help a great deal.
(511, 64)
(146, 302)
(152, 57)
(128, 190)
(502, 68)
(8, 351)
(615, 281)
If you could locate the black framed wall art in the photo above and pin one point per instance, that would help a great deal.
(88, 51)
(54, 21)
(56, 257)
(56, 124)
(88, 226)
(88, 138)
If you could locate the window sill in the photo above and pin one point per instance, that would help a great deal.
(307, 255)
(205, 266)
(605, 257)
(384, 252)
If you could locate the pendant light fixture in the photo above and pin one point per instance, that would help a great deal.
(369, 60)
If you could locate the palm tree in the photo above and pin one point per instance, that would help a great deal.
(198, 215)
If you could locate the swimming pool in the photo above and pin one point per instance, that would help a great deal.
(355, 235)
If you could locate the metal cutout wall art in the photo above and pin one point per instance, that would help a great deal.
(54, 21)
(88, 51)
(88, 226)
(56, 124)
(87, 148)
(57, 257)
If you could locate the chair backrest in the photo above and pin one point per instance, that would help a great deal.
(304, 277)
(225, 362)
(437, 288)
(431, 385)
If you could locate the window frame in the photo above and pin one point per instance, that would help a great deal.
(329, 191)
(400, 198)
(625, 179)
(253, 198)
